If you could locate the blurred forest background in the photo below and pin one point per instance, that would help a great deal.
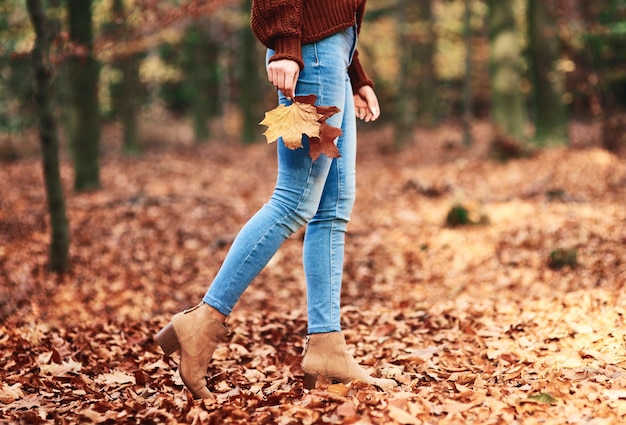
(528, 67)
(485, 266)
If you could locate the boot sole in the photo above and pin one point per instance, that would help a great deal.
(167, 339)
(310, 380)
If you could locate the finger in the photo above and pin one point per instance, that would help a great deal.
(294, 82)
(288, 88)
(373, 109)
(375, 113)
(273, 77)
(291, 79)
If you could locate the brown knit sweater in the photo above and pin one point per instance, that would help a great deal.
(285, 25)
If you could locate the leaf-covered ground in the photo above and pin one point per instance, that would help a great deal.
(470, 320)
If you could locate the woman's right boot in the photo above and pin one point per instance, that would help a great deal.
(326, 355)
(196, 334)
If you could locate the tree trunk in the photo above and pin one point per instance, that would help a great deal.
(506, 70)
(196, 70)
(423, 62)
(416, 99)
(201, 67)
(548, 80)
(59, 245)
(129, 103)
(467, 83)
(404, 117)
(83, 73)
(61, 83)
(250, 82)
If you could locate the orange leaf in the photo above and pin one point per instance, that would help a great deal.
(339, 389)
(291, 122)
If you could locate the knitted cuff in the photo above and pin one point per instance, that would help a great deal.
(288, 48)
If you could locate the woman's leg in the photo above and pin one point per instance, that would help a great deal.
(323, 252)
(295, 199)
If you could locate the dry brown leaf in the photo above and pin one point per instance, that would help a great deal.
(452, 406)
(67, 366)
(290, 123)
(340, 389)
(10, 393)
(115, 378)
(402, 416)
(346, 410)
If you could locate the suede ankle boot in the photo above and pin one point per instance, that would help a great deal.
(196, 334)
(327, 355)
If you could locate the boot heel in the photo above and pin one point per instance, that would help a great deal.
(310, 380)
(167, 339)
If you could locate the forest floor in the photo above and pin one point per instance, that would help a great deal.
(475, 322)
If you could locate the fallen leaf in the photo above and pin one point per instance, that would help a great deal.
(339, 389)
(402, 416)
(543, 398)
(452, 406)
(54, 369)
(346, 410)
(115, 378)
(10, 393)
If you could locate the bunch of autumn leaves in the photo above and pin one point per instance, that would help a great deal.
(303, 117)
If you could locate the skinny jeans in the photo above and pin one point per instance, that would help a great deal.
(319, 194)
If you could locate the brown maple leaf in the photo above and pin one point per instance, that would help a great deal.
(303, 117)
(325, 144)
(326, 111)
(291, 122)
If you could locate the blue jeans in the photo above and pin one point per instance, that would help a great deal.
(319, 194)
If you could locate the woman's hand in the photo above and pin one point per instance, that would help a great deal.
(283, 74)
(366, 104)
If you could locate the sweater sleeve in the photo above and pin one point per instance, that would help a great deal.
(358, 76)
(277, 24)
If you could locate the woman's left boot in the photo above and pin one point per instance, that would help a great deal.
(196, 333)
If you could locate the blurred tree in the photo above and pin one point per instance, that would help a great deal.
(16, 92)
(506, 66)
(201, 67)
(128, 96)
(548, 79)
(83, 73)
(173, 91)
(59, 244)
(250, 81)
(404, 117)
(467, 83)
(61, 81)
(607, 39)
(426, 78)
(416, 99)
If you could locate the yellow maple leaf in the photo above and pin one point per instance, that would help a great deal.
(291, 122)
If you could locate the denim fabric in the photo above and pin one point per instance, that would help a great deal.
(319, 194)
